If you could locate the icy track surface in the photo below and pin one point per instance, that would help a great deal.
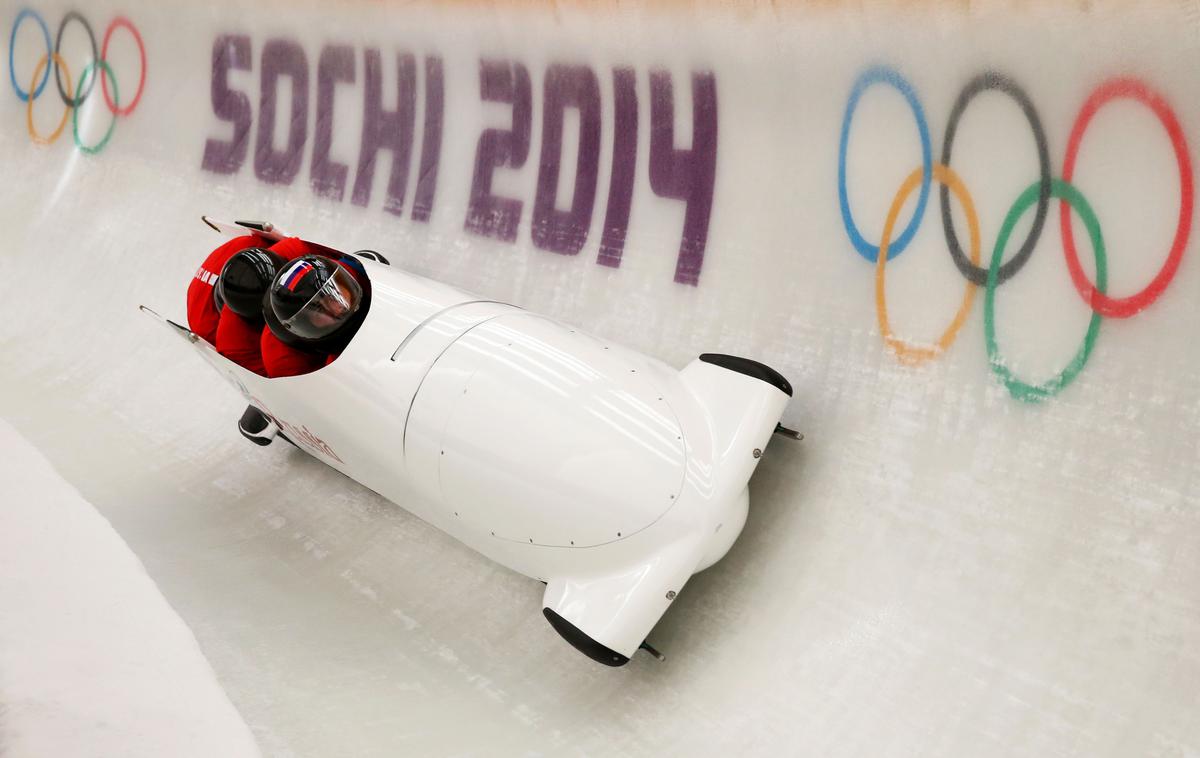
(92, 659)
(987, 544)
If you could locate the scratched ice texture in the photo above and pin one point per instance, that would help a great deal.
(986, 544)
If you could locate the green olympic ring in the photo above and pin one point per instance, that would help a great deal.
(91, 69)
(1034, 393)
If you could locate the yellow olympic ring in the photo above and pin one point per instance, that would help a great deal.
(45, 61)
(906, 352)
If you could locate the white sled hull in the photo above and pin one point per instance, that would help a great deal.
(607, 474)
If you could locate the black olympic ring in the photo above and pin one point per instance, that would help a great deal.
(82, 96)
(989, 80)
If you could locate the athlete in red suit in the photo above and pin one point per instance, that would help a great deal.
(301, 356)
(242, 338)
(225, 308)
(202, 312)
(238, 339)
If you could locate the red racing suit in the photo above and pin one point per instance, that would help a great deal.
(202, 313)
(239, 339)
(250, 344)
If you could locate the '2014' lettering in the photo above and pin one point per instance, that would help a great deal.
(681, 174)
(687, 175)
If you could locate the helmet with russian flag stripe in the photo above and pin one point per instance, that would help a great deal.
(311, 299)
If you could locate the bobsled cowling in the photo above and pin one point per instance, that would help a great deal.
(607, 474)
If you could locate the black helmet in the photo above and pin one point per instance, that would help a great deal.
(311, 299)
(244, 280)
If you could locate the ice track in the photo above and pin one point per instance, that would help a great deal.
(975, 555)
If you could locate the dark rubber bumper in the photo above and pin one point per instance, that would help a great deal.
(582, 642)
(252, 424)
(750, 368)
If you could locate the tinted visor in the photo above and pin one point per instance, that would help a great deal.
(337, 300)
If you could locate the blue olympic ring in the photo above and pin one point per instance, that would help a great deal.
(12, 43)
(889, 76)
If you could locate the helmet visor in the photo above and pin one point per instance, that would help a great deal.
(337, 300)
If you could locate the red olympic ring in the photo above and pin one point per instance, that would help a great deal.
(1123, 307)
(120, 21)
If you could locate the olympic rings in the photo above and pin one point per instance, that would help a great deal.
(44, 63)
(1096, 299)
(66, 94)
(91, 68)
(889, 76)
(1037, 195)
(1070, 197)
(99, 67)
(917, 354)
(985, 81)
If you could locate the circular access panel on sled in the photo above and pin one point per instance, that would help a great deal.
(536, 433)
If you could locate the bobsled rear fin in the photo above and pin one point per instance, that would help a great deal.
(583, 643)
(750, 368)
(742, 401)
(608, 616)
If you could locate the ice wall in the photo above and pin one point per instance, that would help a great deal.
(79, 678)
(985, 546)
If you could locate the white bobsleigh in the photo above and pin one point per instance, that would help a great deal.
(607, 474)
